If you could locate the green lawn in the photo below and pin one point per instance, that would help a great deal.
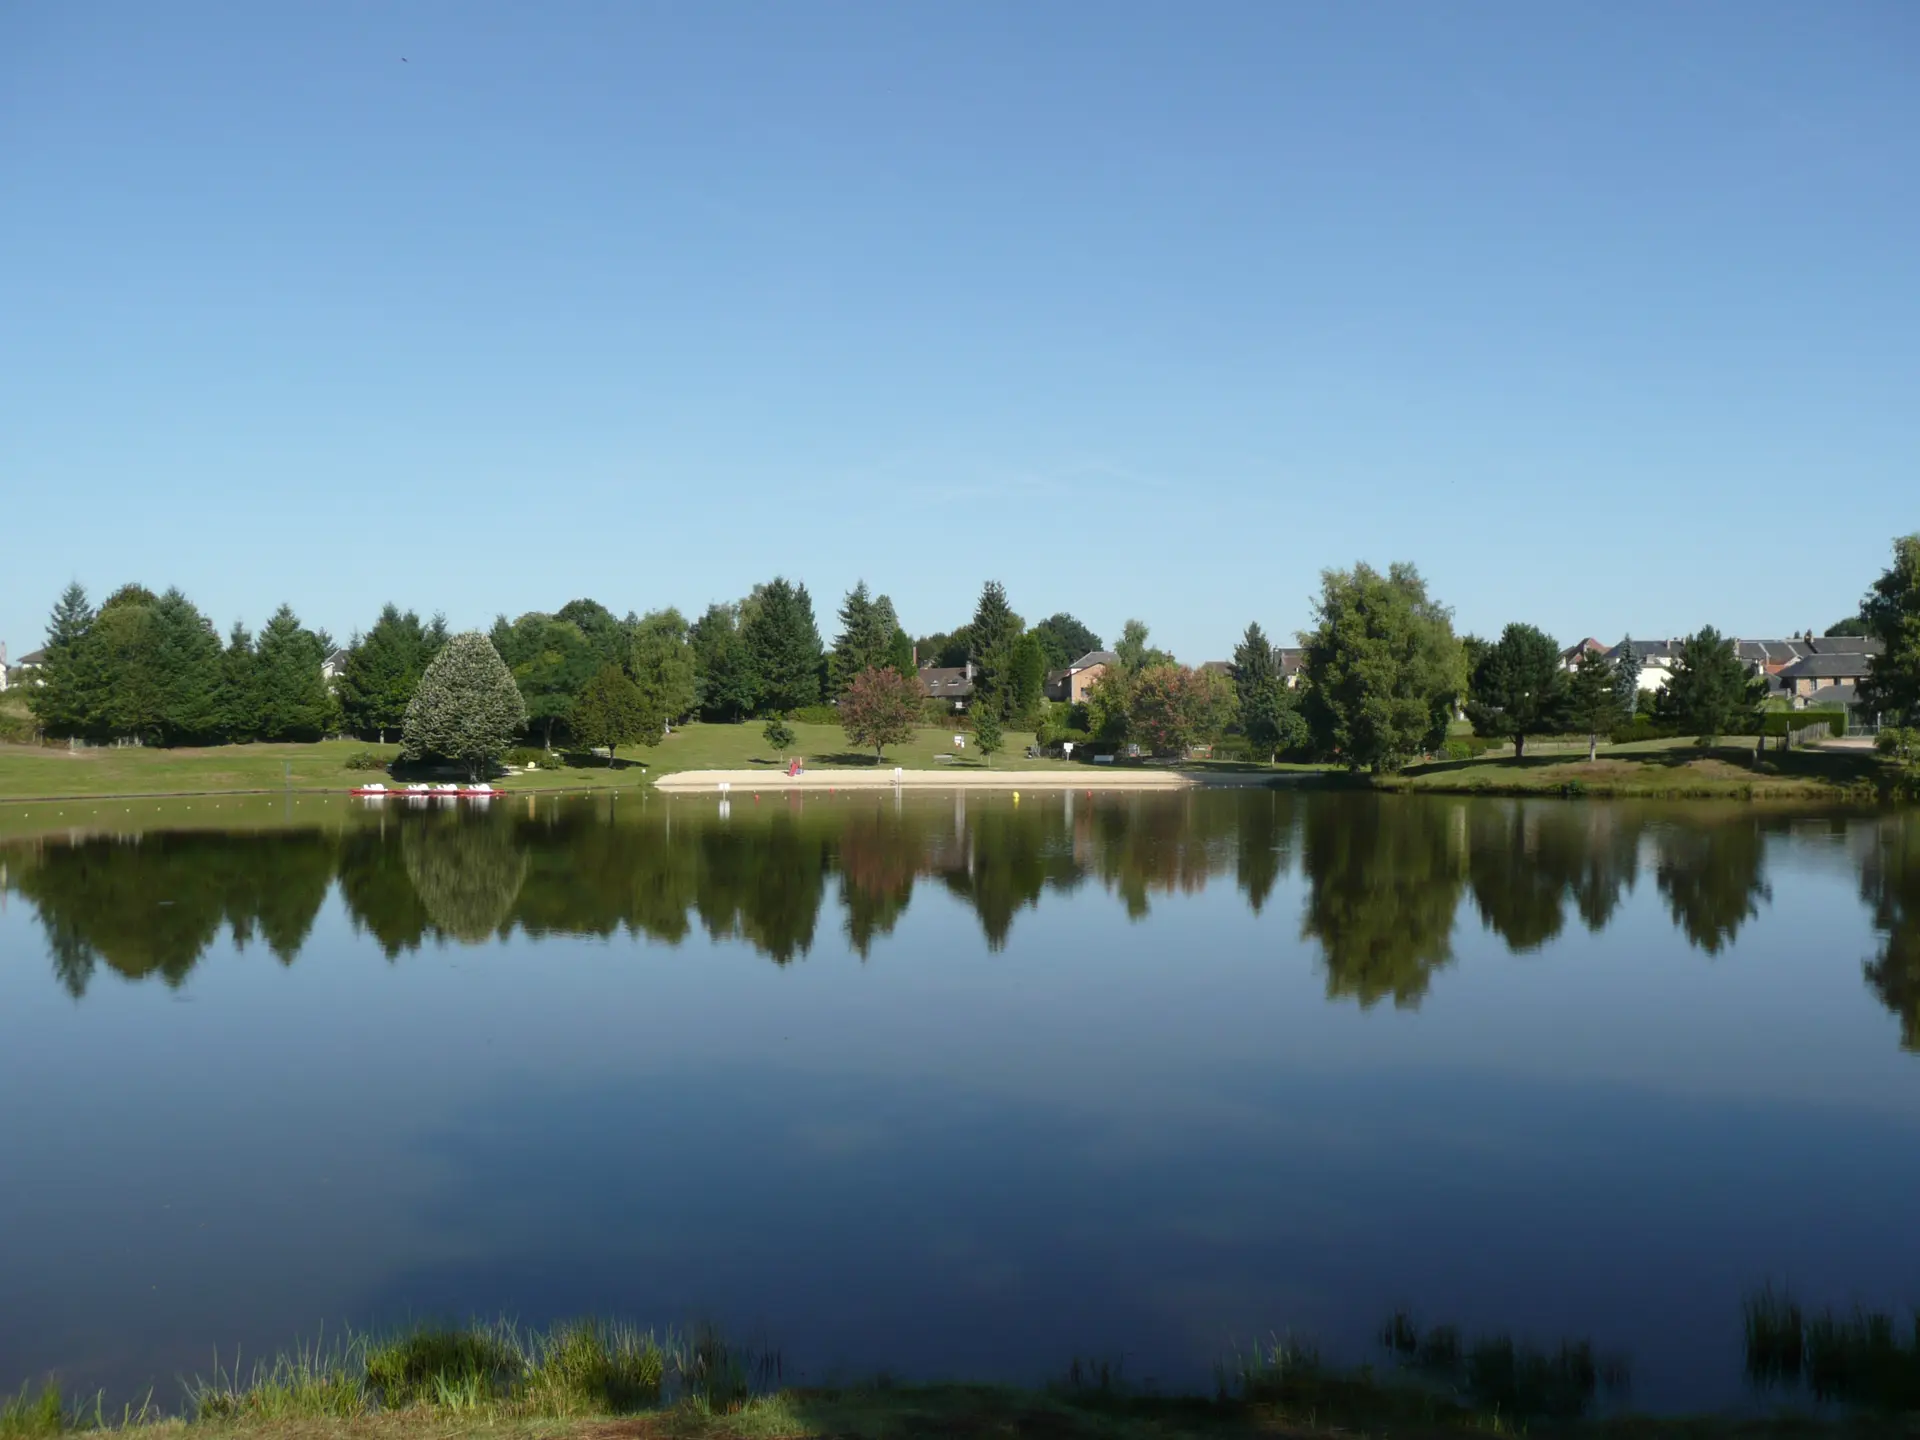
(1656, 768)
(32, 772)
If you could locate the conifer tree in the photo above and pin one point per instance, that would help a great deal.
(467, 708)
(1626, 678)
(1593, 700)
(866, 632)
(992, 635)
(239, 716)
(65, 697)
(1711, 690)
(187, 660)
(784, 644)
(383, 668)
(725, 681)
(290, 696)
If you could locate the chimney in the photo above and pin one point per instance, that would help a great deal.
(916, 657)
(969, 671)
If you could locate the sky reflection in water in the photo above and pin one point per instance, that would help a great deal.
(1141, 1074)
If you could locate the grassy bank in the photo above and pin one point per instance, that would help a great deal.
(36, 772)
(598, 1378)
(1665, 770)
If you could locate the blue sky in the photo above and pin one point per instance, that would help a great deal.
(1607, 315)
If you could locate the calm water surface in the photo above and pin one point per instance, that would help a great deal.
(955, 1086)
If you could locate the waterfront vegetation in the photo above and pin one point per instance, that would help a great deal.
(497, 1378)
(1374, 688)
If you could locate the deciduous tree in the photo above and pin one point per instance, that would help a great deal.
(662, 666)
(467, 708)
(611, 711)
(1892, 613)
(880, 708)
(1064, 640)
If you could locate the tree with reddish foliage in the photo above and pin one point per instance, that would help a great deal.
(880, 708)
(1171, 707)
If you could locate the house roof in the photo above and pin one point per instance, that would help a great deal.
(946, 682)
(1574, 652)
(1095, 657)
(1293, 659)
(1647, 650)
(1846, 645)
(1832, 697)
(1817, 667)
(338, 657)
(33, 657)
(1219, 667)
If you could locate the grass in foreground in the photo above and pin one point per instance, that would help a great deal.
(601, 1379)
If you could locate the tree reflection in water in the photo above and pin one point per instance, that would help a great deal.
(1381, 878)
(1890, 884)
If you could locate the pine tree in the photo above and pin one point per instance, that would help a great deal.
(784, 644)
(239, 716)
(466, 709)
(993, 633)
(866, 632)
(900, 653)
(1593, 700)
(1710, 689)
(987, 735)
(187, 659)
(383, 668)
(1626, 678)
(290, 696)
(1268, 716)
(65, 697)
(1518, 688)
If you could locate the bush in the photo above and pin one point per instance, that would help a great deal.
(941, 712)
(1899, 743)
(370, 760)
(1642, 728)
(1467, 747)
(521, 756)
(1776, 723)
(815, 715)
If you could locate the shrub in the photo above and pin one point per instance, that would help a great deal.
(1776, 723)
(1642, 728)
(521, 756)
(1899, 743)
(815, 715)
(369, 760)
(1467, 747)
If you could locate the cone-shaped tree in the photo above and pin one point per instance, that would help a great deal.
(467, 708)
(64, 698)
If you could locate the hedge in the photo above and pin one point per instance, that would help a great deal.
(1776, 723)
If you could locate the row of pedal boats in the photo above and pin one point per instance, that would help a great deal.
(429, 792)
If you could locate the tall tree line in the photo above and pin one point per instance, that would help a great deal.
(151, 669)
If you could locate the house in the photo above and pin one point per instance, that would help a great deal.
(25, 670)
(1292, 661)
(1570, 657)
(948, 682)
(331, 667)
(1073, 683)
(1656, 657)
(1818, 673)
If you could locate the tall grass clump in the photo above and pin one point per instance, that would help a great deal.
(1865, 1359)
(1507, 1377)
(1268, 1373)
(458, 1368)
(596, 1366)
(718, 1377)
(314, 1381)
(1776, 1335)
(30, 1414)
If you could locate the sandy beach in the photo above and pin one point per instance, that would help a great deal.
(882, 779)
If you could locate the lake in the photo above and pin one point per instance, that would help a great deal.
(954, 1085)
